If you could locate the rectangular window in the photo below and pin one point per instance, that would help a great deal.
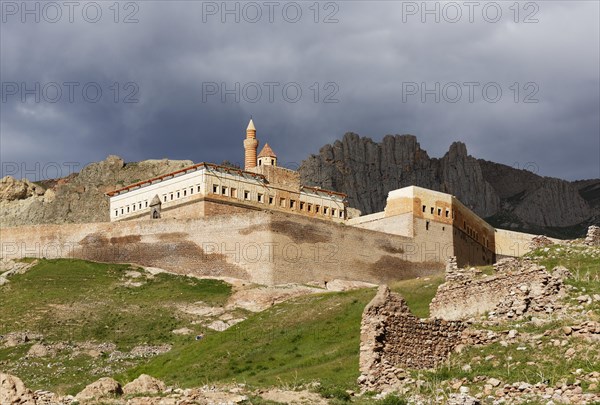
(431, 210)
(184, 193)
(426, 225)
(116, 213)
(260, 198)
(325, 210)
(224, 190)
(215, 189)
(341, 214)
(302, 205)
(309, 207)
(198, 188)
(133, 207)
(282, 202)
(140, 205)
(333, 212)
(178, 194)
(234, 192)
(171, 196)
(439, 212)
(292, 203)
(146, 203)
(246, 195)
(128, 209)
(424, 207)
(447, 213)
(270, 200)
(191, 190)
(121, 211)
(317, 208)
(165, 198)
(464, 224)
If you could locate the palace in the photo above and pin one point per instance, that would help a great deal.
(207, 189)
(434, 225)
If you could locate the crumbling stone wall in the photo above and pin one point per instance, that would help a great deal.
(593, 236)
(518, 286)
(393, 338)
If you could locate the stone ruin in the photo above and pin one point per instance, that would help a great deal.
(593, 236)
(539, 242)
(392, 338)
(518, 286)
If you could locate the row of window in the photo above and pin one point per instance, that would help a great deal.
(439, 211)
(282, 202)
(468, 230)
(233, 192)
(131, 208)
(165, 197)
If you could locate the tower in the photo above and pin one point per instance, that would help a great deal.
(250, 146)
(267, 157)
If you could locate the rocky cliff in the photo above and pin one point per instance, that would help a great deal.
(505, 196)
(77, 198)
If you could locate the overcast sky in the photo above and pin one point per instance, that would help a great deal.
(180, 79)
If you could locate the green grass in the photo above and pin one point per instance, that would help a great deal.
(542, 362)
(80, 301)
(418, 293)
(539, 363)
(309, 338)
(582, 262)
(306, 339)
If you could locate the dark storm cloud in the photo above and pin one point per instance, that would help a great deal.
(169, 61)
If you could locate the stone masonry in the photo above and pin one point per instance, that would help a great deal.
(518, 286)
(262, 247)
(393, 338)
(593, 236)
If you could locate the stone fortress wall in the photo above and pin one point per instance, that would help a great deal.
(210, 236)
(260, 246)
(438, 222)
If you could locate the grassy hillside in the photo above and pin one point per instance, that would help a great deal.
(309, 338)
(75, 303)
(78, 302)
(313, 338)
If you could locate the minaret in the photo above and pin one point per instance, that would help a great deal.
(250, 146)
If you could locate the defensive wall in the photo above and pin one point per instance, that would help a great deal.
(440, 222)
(259, 246)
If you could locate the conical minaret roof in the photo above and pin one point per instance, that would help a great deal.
(267, 152)
(251, 126)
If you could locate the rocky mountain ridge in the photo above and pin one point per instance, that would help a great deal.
(79, 197)
(507, 197)
(363, 169)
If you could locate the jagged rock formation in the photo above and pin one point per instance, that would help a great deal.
(78, 197)
(508, 197)
(367, 171)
